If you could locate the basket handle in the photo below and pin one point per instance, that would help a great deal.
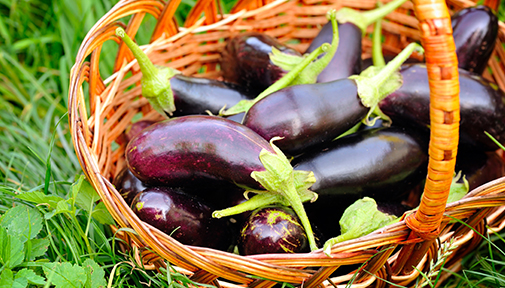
(442, 65)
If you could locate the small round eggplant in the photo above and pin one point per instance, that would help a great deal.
(128, 185)
(482, 106)
(383, 163)
(191, 147)
(475, 30)
(246, 61)
(273, 229)
(184, 217)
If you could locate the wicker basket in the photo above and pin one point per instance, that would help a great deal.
(97, 121)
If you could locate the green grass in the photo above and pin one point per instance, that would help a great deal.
(68, 234)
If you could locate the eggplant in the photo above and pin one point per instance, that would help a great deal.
(311, 114)
(245, 60)
(347, 60)
(128, 185)
(173, 94)
(482, 106)
(479, 167)
(193, 147)
(183, 217)
(273, 229)
(351, 27)
(383, 163)
(199, 96)
(187, 148)
(135, 128)
(475, 30)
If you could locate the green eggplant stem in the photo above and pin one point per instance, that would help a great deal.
(377, 56)
(155, 81)
(244, 105)
(257, 201)
(364, 19)
(395, 64)
(309, 74)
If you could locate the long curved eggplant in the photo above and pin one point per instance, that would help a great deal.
(191, 147)
(383, 163)
(475, 30)
(246, 61)
(347, 59)
(311, 114)
(482, 106)
(198, 96)
(182, 216)
(171, 93)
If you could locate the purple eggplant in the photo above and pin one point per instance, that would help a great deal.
(479, 167)
(311, 114)
(128, 185)
(192, 147)
(351, 26)
(475, 30)
(383, 163)
(189, 148)
(347, 60)
(246, 61)
(273, 229)
(135, 128)
(171, 93)
(193, 96)
(182, 216)
(482, 106)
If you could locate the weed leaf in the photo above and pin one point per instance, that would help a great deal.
(25, 227)
(30, 276)
(65, 275)
(41, 199)
(102, 215)
(94, 273)
(11, 250)
(85, 195)
(39, 247)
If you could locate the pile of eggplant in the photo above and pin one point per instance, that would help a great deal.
(268, 159)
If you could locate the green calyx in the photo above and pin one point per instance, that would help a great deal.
(363, 19)
(359, 219)
(376, 83)
(283, 186)
(377, 56)
(155, 81)
(310, 73)
(244, 105)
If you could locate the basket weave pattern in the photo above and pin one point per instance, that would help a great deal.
(99, 117)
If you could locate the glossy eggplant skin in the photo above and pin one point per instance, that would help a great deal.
(383, 163)
(482, 106)
(128, 185)
(272, 229)
(196, 96)
(135, 128)
(245, 61)
(479, 167)
(307, 115)
(188, 148)
(184, 217)
(347, 60)
(475, 30)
